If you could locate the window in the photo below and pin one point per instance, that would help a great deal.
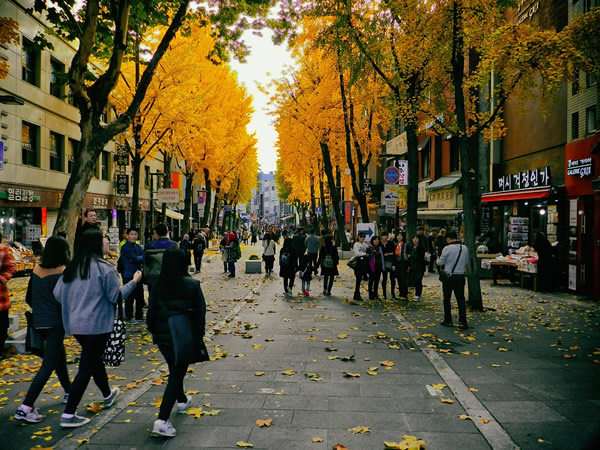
(575, 125)
(30, 145)
(425, 159)
(147, 177)
(589, 4)
(56, 152)
(57, 84)
(72, 152)
(590, 80)
(104, 169)
(30, 63)
(590, 119)
(454, 155)
(70, 100)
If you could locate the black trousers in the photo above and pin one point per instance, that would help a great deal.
(358, 276)
(269, 261)
(137, 297)
(402, 278)
(174, 389)
(392, 276)
(288, 283)
(54, 360)
(90, 366)
(374, 283)
(314, 257)
(455, 284)
(198, 260)
(327, 283)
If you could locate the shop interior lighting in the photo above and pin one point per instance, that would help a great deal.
(11, 220)
(526, 203)
(542, 211)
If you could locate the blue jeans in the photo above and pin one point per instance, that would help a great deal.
(232, 269)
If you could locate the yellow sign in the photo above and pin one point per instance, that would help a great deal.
(442, 199)
(402, 196)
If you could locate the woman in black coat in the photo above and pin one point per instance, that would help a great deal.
(416, 265)
(329, 266)
(287, 265)
(174, 293)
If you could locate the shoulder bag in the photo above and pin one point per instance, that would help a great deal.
(114, 352)
(188, 343)
(34, 340)
(444, 277)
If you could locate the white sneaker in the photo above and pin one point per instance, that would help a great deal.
(108, 402)
(416, 298)
(73, 422)
(182, 407)
(32, 416)
(164, 429)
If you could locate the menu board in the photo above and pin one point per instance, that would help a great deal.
(518, 233)
(485, 222)
(552, 225)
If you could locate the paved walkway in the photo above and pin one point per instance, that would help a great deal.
(522, 376)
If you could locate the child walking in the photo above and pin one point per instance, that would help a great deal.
(305, 271)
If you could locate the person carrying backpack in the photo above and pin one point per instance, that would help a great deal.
(328, 260)
(153, 254)
(305, 271)
(234, 253)
(287, 265)
(198, 247)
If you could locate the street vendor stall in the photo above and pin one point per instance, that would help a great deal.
(522, 263)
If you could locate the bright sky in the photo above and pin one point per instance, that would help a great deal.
(266, 61)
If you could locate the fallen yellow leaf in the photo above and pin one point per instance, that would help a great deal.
(258, 374)
(243, 444)
(473, 389)
(386, 363)
(464, 417)
(339, 447)
(289, 372)
(342, 336)
(351, 374)
(446, 400)
(264, 423)
(157, 402)
(438, 386)
(315, 440)
(359, 430)
(502, 349)
(484, 420)
(495, 365)
(371, 372)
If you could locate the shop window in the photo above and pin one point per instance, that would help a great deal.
(57, 151)
(57, 84)
(426, 160)
(104, 169)
(454, 155)
(73, 152)
(147, 177)
(575, 125)
(590, 119)
(30, 142)
(30, 63)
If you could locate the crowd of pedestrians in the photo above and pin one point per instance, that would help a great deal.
(82, 295)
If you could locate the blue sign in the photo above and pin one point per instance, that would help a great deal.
(1, 155)
(391, 175)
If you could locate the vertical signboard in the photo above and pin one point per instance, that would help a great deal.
(348, 212)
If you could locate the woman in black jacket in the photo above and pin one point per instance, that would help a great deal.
(287, 265)
(174, 293)
(329, 266)
(416, 265)
(47, 319)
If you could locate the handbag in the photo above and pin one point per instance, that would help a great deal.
(353, 263)
(444, 277)
(34, 340)
(427, 257)
(114, 352)
(188, 344)
(388, 265)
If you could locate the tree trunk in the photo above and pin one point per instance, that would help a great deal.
(215, 213)
(469, 178)
(166, 181)
(136, 163)
(313, 212)
(69, 212)
(412, 198)
(335, 197)
(324, 219)
(207, 200)
(187, 201)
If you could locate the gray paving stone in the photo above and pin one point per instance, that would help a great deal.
(276, 437)
(438, 422)
(303, 402)
(523, 411)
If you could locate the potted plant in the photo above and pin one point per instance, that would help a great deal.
(253, 264)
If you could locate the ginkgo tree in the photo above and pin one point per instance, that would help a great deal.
(9, 33)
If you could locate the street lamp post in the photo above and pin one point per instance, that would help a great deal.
(152, 175)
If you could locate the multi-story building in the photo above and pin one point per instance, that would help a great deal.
(582, 176)
(40, 138)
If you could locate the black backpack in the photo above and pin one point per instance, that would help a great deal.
(284, 259)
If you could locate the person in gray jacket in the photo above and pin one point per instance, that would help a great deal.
(453, 261)
(88, 291)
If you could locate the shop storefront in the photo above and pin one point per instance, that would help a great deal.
(523, 204)
(444, 204)
(582, 182)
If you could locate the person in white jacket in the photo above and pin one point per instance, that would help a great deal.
(360, 254)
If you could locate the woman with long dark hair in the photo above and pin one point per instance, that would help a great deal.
(375, 266)
(416, 265)
(359, 259)
(287, 265)
(401, 264)
(88, 291)
(328, 260)
(268, 253)
(47, 320)
(174, 293)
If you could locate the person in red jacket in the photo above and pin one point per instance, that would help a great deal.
(7, 270)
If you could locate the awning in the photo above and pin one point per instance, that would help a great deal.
(443, 183)
(423, 142)
(174, 214)
(438, 213)
(519, 194)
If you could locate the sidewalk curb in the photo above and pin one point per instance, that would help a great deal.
(492, 431)
(87, 431)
